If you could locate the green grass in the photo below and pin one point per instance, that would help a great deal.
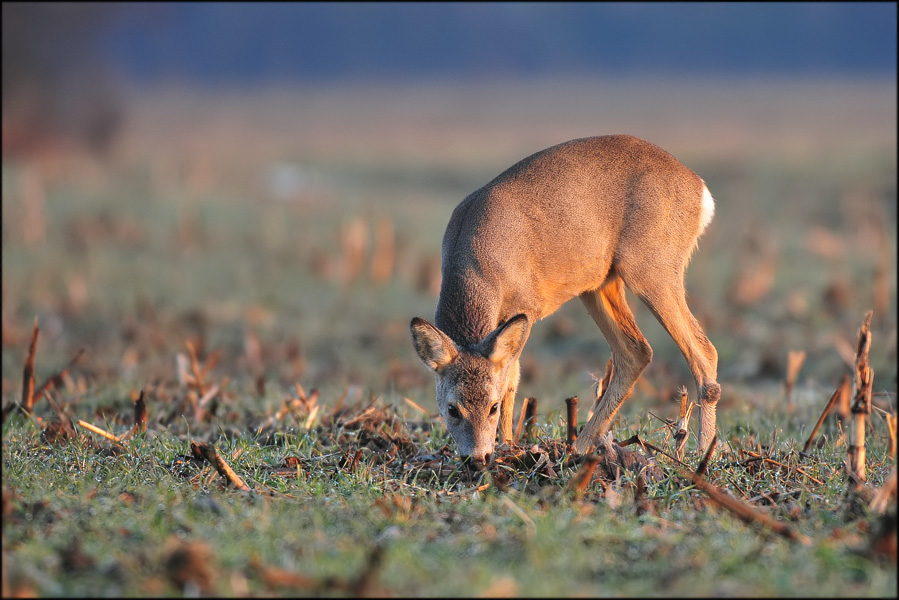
(126, 512)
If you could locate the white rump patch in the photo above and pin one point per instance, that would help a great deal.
(708, 209)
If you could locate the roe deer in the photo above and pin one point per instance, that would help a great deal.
(584, 218)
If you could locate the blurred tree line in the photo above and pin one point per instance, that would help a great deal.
(56, 90)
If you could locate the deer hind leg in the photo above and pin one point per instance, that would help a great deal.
(667, 301)
(630, 355)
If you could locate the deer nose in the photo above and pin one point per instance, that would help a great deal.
(478, 462)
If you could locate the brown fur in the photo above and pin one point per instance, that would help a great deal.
(581, 219)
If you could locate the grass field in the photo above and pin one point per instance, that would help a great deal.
(289, 235)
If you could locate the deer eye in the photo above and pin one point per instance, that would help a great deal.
(494, 408)
(453, 412)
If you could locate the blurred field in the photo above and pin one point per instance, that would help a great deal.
(294, 232)
(227, 213)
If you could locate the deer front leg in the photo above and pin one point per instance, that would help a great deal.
(507, 404)
(630, 355)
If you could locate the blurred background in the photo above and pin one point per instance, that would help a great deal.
(271, 182)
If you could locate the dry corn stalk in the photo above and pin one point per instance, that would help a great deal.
(211, 455)
(861, 406)
(891, 427)
(529, 419)
(578, 484)
(885, 495)
(28, 373)
(195, 369)
(140, 414)
(746, 513)
(683, 419)
(571, 408)
(521, 418)
(795, 358)
(98, 431)
(841, 392)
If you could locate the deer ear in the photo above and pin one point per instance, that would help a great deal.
(506, 341)
(434, 348)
